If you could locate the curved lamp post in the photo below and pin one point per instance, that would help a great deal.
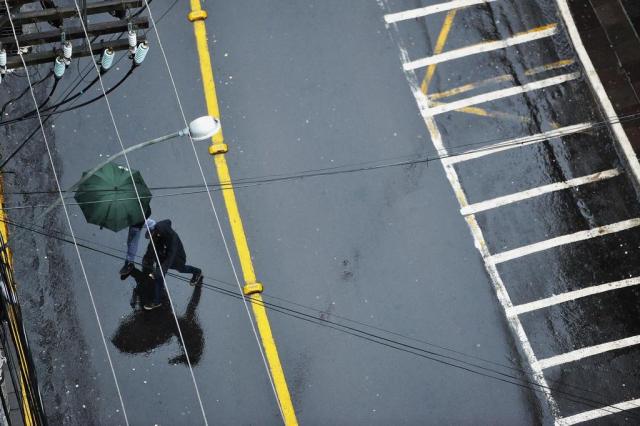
(199, 129)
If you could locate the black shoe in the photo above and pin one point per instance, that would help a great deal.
(196, 279)
(126, 269)
(151, 306)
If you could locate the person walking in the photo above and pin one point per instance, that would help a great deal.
(171, 255)
(133, 237)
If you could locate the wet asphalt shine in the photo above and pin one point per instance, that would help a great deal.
(491, 257)
(605, 323)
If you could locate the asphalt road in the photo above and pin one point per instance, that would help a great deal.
(316, 85)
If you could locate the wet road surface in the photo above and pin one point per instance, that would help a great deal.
(573, 311)
(319, 85)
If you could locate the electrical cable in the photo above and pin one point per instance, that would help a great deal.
(142, 210)
(24, 92)
(372, 337)
(119, 253)
(28, 138)
(344, 168)
(253, 181)
(234, 294)
(29, 115)
(215, 214)
(81, 91)
(50, 155)
(177, 96)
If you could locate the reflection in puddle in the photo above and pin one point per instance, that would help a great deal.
(142, 331)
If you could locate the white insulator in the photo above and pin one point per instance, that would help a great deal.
(59, 67)
(133, 39)
(3, 58)
(107, 58)
(141, 53)
(67, 50)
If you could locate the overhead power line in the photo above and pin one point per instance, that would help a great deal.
(266, 179)
(68, 97)
(448, 360)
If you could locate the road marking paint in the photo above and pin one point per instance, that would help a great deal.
(488, 46)
(601, 94)
(587, 352)
(565, 239)
(481, 245)
(237, 229)
(501, 292)
(430, 10)
(572, 295)
(548, 67)
(431, 69)
(535, 192)
(440, 42)
(503, 93)
(499, 79)
(598, 413)
(470, 86)
(482, 112)
(518, 142)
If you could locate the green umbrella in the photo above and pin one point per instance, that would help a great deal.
(107, 197)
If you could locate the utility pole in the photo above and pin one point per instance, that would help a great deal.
(58, 27)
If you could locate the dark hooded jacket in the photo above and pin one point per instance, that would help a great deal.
(169, 247)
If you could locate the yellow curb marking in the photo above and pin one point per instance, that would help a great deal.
(29, 418)
(259, 311)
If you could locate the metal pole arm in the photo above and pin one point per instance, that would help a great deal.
(114, 157)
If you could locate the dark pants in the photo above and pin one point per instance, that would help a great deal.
(159, 282)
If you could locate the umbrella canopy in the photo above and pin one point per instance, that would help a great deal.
(107, 197)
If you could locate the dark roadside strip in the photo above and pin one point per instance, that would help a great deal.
(610, 33)
(576, 395)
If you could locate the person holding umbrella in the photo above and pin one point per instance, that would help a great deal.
(108, 198)
(171, 255)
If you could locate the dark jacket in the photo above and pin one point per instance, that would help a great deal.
(169, 247)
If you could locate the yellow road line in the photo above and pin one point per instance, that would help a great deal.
(440, 42)
(547, 67)
(486, 113)
(197, 16)
(431, 69)
(470, 86)
(505, 77)
(499, 79)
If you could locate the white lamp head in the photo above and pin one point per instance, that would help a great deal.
(203, 128)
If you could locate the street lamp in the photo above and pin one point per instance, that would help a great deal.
(199, 129)
(203, 128)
